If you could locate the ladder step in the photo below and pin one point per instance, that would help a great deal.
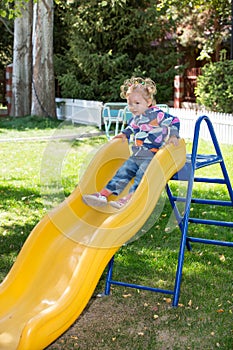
(201, 161)
(206, 160)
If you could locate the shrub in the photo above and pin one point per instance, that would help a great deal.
(101, 84)
(215, 87)
(109, 42)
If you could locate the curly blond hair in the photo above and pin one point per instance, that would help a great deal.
(146, 87)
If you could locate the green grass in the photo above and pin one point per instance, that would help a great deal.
(128, 319)
(20, 127)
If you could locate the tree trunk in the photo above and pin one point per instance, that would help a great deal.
(43, 86)
(22, 62)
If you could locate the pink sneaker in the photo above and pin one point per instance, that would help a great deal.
(120, 203)
(95, 200)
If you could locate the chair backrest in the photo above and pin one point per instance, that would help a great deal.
(118, 112)
(127, 115)
(164, 107)
(113, 110)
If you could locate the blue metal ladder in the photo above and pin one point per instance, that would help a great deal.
(187, 173)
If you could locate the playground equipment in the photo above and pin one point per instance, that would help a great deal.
(59, 266)
(194, 162)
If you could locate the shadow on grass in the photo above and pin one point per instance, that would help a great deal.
(206, 286)
(28, 123)
(12, 242)
(20, 210)
(10, 195)
(152, 260)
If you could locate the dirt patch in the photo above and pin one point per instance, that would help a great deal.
(129, 321)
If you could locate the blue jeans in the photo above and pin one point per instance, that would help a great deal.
(134, 167)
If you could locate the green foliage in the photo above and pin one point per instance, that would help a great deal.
(6, 46)
(11, 9)
(215, 87)
(6, 39)
(203, 27)
(111, 41)
(7, 9)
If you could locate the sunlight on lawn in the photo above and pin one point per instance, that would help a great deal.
(205, 311)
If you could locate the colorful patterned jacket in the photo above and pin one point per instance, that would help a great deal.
(152, 129)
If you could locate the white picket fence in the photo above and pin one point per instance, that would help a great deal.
(82, 111)
(222, 123)
(90, 112)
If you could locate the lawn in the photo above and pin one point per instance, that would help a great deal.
(37, 172)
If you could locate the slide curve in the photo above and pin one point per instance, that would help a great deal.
(59, 266)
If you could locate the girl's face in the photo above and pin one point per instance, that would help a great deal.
(137, 103)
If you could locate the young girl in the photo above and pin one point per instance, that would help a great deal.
(151, 127)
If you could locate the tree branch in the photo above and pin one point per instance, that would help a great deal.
(6, 25)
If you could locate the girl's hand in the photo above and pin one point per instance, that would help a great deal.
(174, 140)
(120, 136)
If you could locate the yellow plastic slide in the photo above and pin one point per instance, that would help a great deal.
(60, 264)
